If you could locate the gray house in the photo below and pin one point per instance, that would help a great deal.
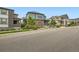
(39, 17)
(8, 19)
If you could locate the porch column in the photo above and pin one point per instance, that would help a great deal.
(65, 22)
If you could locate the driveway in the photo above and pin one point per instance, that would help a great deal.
(46, 40)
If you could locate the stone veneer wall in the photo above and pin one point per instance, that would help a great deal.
(40, 23)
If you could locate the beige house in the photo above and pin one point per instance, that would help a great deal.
(8, 19)
(61, 20)
(64, 20)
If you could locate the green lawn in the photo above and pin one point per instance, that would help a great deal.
(13, 31)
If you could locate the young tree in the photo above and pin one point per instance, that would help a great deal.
(30, 21)
(31, 24)
(52, 23)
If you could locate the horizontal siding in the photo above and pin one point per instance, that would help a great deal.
(3, 16)
(3, 25)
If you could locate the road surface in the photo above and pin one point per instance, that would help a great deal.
(47, 40)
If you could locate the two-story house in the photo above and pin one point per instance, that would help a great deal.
(61, 20)
(39, 17)
(8, 19)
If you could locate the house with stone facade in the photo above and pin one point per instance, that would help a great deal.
(8, 19)
(39, 17)
(61, 20)
(64, 20)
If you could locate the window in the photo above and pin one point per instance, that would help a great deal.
(0, 20)
(62, 18)
(15, 22)
(39, 16)
(2, 11)
(57, 17)
(3, 21)
(31, 15)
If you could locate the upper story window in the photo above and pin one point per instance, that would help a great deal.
(31, 15)
(35, 16)
(40, 17)
(3, 11)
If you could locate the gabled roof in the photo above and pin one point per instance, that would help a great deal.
(65, 16)
(33, 12)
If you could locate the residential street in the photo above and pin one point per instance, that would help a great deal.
(46, 40)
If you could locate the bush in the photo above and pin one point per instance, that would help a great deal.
(28, 27)
(52, 23)
(34, 27)
(58, 26)
(24, 29)
(72, 24)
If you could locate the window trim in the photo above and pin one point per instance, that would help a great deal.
(3, 11)
(3, 22)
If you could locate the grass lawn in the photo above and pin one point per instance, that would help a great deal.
(13, 31)
(21, 30)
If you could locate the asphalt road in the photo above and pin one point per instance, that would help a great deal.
(48, 40)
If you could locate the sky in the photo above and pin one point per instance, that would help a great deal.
(72, 12)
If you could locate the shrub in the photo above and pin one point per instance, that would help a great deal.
(34, 27)
(52, 23)
(28, 27)
(72, 24)
(58, 26)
